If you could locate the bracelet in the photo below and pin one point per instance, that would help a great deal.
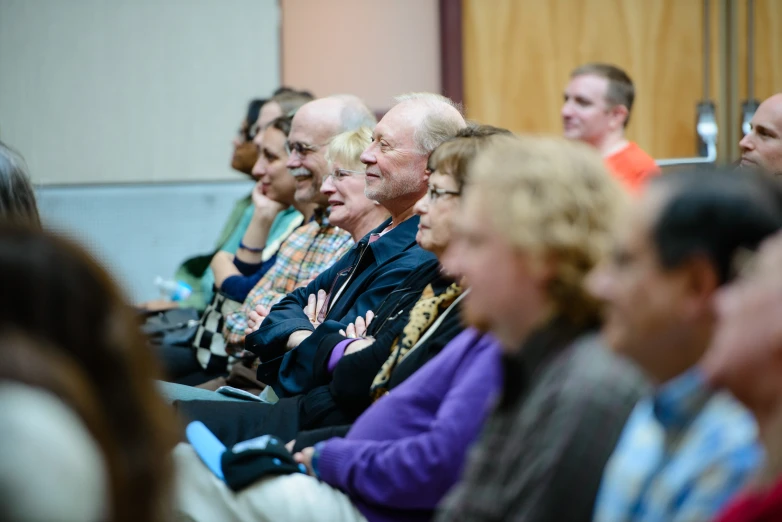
(250, 249)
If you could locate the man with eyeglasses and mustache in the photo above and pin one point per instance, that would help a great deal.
(396, 177)
(308, 250)
(318, 244)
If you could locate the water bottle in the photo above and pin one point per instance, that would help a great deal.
(173, 290)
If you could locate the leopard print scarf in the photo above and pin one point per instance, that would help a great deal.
(425, 312)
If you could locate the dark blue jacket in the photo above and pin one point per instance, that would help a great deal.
(373, 271)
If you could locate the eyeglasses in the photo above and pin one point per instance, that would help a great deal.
(435, 193)
(302, 149)
(340, 174)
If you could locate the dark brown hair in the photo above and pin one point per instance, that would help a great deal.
(621, 90)
(92, 354)
(282, 124)
(453, 156)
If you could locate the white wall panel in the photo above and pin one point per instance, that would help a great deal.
(132, 90)
(141, 231)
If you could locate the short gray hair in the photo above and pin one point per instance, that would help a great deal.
(354, 114)
(442, 121)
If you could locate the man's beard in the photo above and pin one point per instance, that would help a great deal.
(393, 187)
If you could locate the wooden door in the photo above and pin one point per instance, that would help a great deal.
(518, 55)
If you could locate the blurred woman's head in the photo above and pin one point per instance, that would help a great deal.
(17, 198)
(260, 113)
(245, 153)
(448, 167)
(537, 215)
(95, 357)
(270, 170)
(344, 187)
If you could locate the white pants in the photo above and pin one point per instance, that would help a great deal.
(289, 498)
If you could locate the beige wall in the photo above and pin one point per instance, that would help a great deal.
(372, 48)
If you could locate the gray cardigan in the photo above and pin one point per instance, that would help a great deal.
(542, 452)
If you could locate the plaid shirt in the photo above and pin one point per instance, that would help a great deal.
(542, 452)
(684, 452)
(308, 251)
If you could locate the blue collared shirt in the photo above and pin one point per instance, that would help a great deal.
(684, 452)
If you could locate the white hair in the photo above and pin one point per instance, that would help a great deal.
(442, 121)
(354, 113)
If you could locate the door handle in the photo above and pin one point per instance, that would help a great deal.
(705, 112)
(707, 130)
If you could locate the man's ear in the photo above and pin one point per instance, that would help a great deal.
(702, 283)
(619, 114)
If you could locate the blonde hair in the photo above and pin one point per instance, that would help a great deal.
(346, 148)
(554, 200)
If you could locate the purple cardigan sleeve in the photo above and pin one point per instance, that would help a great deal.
(416, 472)
(337, 353)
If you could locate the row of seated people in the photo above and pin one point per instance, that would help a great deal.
(522, 243)
(596, 110)
(316, 382)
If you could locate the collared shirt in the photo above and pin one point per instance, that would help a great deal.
(308, 251)
(685, 451)
(542, 452)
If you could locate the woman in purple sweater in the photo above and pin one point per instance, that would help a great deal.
(396, 463)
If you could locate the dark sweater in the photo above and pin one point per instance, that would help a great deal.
(369, 272)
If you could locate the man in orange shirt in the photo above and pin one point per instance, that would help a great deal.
(596, 110)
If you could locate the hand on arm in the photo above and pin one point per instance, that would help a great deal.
(315, 303)
(255, 318)
(305, 457)
(358, 328)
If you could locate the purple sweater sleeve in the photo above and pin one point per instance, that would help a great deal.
(337, 352)
(417, 471)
